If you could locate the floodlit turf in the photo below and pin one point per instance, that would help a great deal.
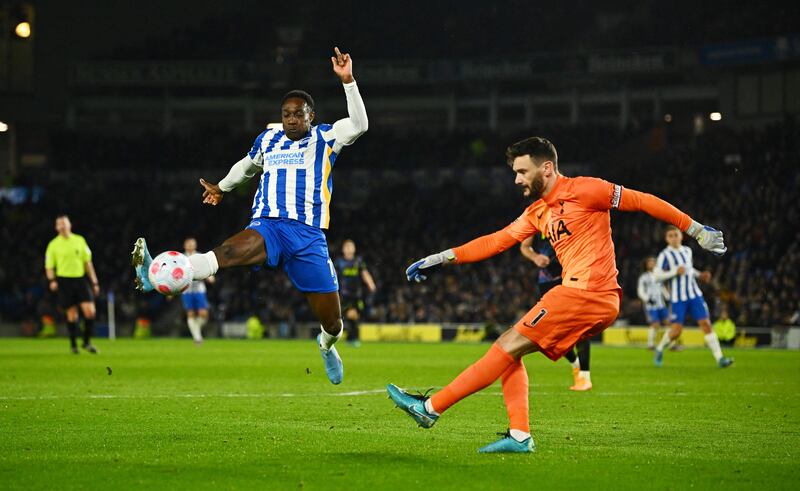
(261, 415)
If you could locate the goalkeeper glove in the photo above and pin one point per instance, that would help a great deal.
(420, 269)
(709, 238)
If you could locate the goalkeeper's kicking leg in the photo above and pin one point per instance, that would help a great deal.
(248, 248)
(562, 317)
(504, 359)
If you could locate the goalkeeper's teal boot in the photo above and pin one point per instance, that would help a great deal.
(508, 444)
(413, 404)
(725, 362)
(140, 259)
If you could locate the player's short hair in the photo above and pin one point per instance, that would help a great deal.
(299, 94)
(646, 260)
(536, 147)
(62, 215)
(670, 228)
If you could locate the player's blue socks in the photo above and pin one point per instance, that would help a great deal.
(140, 259)
(412, 404)
(508, 444)
(333, 363)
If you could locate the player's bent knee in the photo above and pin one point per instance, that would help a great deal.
(228, 255)
(515, 344)
(243, 249)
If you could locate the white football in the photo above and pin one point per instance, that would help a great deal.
(171, 273)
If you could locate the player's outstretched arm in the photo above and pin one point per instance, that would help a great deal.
(476, 250)
(356, 123)
(709, 238)
(241, 172)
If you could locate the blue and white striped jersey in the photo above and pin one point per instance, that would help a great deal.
(296, 182)
(682, 287)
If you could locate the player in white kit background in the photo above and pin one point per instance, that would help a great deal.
(674, 266)
(291, 208)
(653, 295)
(194, 299)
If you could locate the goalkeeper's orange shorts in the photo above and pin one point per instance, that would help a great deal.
(565, 316)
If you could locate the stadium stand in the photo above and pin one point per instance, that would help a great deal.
(125, 191)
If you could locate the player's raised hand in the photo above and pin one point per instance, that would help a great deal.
(342, 66)
(212, 194)
(420, 270)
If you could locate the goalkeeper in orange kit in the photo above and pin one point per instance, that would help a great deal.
(574, 213)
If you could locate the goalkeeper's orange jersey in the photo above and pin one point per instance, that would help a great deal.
(575, 217)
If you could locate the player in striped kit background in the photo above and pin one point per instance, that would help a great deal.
(194, 299)
(291, 208)
(653, 296)
(674, 266)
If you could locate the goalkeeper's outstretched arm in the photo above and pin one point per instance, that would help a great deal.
(707, 237)
(473, 251)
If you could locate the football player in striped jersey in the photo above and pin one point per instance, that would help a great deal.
(291, 208)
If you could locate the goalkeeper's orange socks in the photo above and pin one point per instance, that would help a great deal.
(477, 376)
(515, 395)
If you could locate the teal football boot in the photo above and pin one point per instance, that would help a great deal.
(140, 259)
(413, 404)
(334, 368)
(725, 362)
(508, 444)
(658, 358)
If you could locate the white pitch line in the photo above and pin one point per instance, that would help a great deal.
(191, 396)
(356, 393)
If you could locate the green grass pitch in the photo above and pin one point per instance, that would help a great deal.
(262, 415)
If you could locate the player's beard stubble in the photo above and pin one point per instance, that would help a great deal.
(535, 188)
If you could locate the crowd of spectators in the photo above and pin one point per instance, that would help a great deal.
(744, 182)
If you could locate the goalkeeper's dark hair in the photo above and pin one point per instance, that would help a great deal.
(538, 148)
(299, 94)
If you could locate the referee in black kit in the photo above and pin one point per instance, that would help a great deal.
(68, 260)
